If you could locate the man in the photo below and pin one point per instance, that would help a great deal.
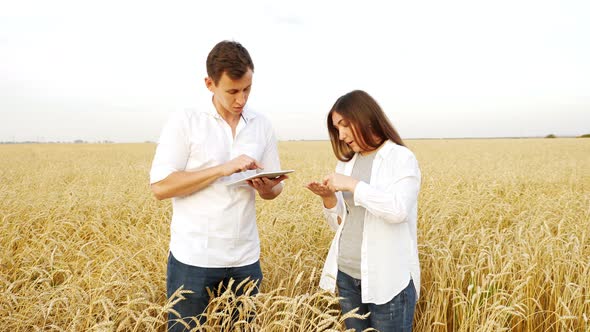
(213, 234)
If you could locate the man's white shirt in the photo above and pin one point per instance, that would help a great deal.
(216, 226)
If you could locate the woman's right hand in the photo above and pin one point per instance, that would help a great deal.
(328, 196)
(320, 189)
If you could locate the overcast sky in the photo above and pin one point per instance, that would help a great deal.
(115, 70)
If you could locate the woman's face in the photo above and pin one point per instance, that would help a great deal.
(346, 132)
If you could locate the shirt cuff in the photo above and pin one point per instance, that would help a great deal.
(331, 210)
(361, 191)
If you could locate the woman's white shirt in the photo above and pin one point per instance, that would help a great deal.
(389, 250)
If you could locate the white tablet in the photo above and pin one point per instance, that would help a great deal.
(270, 175)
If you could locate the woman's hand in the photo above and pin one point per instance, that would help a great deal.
(319, 189)
(328, 196)
(338, 182)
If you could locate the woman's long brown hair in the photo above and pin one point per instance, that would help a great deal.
(370, 125)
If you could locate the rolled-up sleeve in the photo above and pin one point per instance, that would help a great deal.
(173, 148)
(332, 214)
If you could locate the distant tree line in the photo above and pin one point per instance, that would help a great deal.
(581, 136)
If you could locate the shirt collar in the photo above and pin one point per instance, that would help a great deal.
(247, 113)
(384, 150)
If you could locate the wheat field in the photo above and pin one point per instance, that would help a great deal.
(504, 240)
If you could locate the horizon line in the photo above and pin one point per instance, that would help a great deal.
(81, 141)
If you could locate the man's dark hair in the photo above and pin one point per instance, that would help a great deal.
(229, 57)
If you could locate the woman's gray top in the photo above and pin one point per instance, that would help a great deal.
(349, 257)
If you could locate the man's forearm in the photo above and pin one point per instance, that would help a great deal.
(184, 183)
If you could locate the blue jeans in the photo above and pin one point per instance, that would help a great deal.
(198, 279)
(395, 315)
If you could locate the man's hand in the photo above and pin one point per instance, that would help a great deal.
(265, 186)
(240, 164)
(339, 182)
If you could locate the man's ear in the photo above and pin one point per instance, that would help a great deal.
(209, 83)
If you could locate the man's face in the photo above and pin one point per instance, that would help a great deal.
(230, 96)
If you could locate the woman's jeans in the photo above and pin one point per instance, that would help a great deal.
(395, 315)
(198, 279)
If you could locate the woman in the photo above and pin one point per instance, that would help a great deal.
(371, 203)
